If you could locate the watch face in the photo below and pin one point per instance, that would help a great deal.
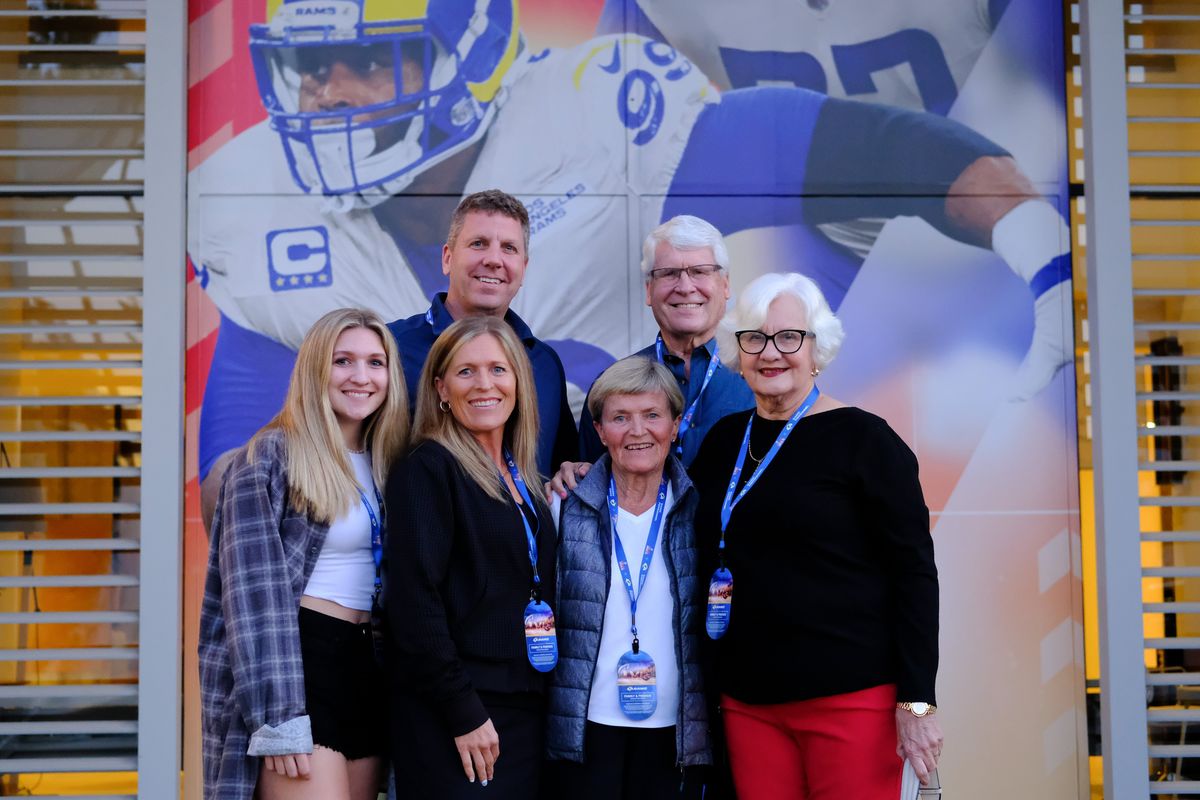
(920, 709)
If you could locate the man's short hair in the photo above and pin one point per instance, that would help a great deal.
(684, 232)
(489, 201)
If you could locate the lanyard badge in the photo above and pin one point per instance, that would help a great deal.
(377, 621)
(637, 690)
(376, 540)
(720, 586)
(541, 644)
(685, 423)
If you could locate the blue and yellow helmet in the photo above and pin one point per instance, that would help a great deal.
(367, 94)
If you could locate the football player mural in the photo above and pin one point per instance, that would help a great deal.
(908, 155)
(368, 109)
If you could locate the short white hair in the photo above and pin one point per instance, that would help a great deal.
(634, 375)
(755, 301)
(684, 232)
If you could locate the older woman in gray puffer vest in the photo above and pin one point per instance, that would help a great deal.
(627, 707)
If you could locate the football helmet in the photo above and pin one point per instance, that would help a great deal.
(367, 94)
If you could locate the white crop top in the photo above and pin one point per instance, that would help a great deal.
(345, 569)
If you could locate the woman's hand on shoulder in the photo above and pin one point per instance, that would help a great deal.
(919, 739)
(479, 750)
(293, 765)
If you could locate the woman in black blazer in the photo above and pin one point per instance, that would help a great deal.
(471, 555)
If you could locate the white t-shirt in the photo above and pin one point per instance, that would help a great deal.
(345, 569)
(656, 624)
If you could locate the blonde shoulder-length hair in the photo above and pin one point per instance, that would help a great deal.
(321, 481)
(520, 431)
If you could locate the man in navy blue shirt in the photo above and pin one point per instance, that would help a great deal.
(485, 256)
(686, 267)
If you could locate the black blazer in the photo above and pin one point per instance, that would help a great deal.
(458, 580)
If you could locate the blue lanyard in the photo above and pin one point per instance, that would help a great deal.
(647, 555)
(530, 539)
(686, 423)
(731, 501)
(376, 537)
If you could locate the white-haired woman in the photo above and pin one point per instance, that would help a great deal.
(471, 567)
(290, 687)
(824, 598)
(631, 604)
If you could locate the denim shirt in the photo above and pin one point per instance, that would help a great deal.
(727, 393)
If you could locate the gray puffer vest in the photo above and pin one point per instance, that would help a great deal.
(584, 562)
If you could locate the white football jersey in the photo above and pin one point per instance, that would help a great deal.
(590, 144)
(913, 54)
(273, 258)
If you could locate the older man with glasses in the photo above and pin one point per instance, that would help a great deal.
(685, 264)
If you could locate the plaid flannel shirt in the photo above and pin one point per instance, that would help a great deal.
(251, 672)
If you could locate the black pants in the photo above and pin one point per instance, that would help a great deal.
(623, 764)
(427, 764)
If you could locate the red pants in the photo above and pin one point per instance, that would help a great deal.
(827, 748)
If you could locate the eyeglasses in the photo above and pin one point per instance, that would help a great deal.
(786, 341)
(696, 272)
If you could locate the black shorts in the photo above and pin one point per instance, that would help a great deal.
(343, 686)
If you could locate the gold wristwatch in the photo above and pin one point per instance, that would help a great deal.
(918, 709)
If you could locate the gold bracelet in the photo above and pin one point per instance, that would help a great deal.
(918, 709)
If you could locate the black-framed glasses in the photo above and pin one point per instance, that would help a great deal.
(786, 341)
(697, 272)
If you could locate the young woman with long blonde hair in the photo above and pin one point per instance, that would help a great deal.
(292, 694)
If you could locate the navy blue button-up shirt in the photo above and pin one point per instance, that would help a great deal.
(727, 393)
(557, 436)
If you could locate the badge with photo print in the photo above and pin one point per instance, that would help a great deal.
(541, 644)
(720, 603)
(637, 685)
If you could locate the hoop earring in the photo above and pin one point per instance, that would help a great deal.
(444, 406)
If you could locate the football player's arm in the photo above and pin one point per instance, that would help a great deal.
(778, 148)
(897, 162)
(988, 202)
(861, 160)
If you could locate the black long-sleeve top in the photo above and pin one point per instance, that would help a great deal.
(458, 581)
(834, 583)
